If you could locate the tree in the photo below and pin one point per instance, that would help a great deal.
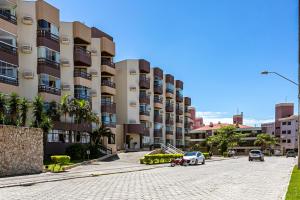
(38, 111)
(53, 112)
(100, 133)
(265, 141)
(65, 107)
(13, 108)
(224, 138)
(3, 108)
(24, 106)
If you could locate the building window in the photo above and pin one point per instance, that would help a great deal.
(49, 81)
(283, 132)
(170, 87)
(44, 52)
(289, 132)
(157, 126)
(82, 92)
(8, 71)
(44, 25)
(283, 141)
(283, 123)
(111, 139)
(289, 123)
(58, 136)
(288, 141)
(157, 82)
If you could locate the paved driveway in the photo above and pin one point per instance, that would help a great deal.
(220, 180)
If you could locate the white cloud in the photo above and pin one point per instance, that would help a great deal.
(223, 117)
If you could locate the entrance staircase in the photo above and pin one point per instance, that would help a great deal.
(170, 149)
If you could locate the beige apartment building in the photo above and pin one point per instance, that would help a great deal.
(150, 105)
(40, 55)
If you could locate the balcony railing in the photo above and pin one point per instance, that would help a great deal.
(143, 112)
(144, 98)
(82, 74)
(108, 83)
(169, 107)
(8, 17)
(179, 111)
(158, 88)
(108, 62)
(169, 121)
(9, 80)
(157, 132)
(8, 48)
(158, 99)
(158, 118)
(144, 82)
(108, 106)
(82, 96)
(82, 57)
(178, 120)
(50, 90)
(47, 34)
(109, 124)
(168, 90)
(50, 63)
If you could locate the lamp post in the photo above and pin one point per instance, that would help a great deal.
(266, 73)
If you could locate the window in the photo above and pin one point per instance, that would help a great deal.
(50, 81)
(108, 118)
(111, 139)
(44, 52)
(289, 123)
(283, 123)
(170, 87)
(169, 128)
(283, 132)
(288, 140)
(58, 136)
(81, 92)
(289, 132)
(145, 108)
(44, 25)
(157, 82)
(157, 126)
(8, 70)
(283, 141)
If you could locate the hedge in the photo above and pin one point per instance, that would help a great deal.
(61, 159)
(206, 155)
(159, 158)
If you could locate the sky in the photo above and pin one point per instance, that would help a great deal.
(216, 47)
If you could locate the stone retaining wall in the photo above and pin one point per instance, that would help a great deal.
(21, 150)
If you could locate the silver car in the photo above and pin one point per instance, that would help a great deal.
(256, 155)
(193, 158)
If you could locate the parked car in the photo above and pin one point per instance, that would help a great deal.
(291, 153)
(277, 152)
(256, 155)
(193, 158)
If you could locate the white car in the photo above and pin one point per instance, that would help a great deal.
(193, 158)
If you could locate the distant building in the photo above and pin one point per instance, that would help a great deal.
(238, 119)
(285, 127)
(198, 123)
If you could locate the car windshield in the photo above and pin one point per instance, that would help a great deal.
(190, 154)
(255, 152)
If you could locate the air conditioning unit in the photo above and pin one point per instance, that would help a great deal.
(132, 72)
(65, 63)
(66, 87)
(132, 121)
(132, 89)
(94, 52)
(149, 92)
(161, 111)
(28, 74)
(27, 20)
(65, 40)
(133, 104)
(172, 114)
(26, 48)
(93, 72)
(93, 93)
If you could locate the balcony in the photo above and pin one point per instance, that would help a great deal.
(82, 74)
(9, 80)
(82, 127)
(108, 66)
(179, 97)
(85, 97)
(158, 102)
(46, 66)
(134, 128)
(169, 121)
(108, 87)
(144, 82)
(144, 98)
(169, 132)
(107, 46)
(169, 107)
(146, 132)
(8, 53)
(179, 111)
(8, 17)
(109, 124)
(158, 89)
(47, 39)
(169, 93)
(179, 120)
(144, 115)
(82, 57)
(108, 107)
(178, 135)
(50, 90)
(158, 119)
(187, 101)
(157, 132)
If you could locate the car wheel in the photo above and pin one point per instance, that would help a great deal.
(250, 159)
(203, 162)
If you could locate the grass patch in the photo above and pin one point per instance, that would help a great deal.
(293, 192)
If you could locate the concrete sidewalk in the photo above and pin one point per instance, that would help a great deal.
(99, 168)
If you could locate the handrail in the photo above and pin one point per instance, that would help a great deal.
(82, 74)
(8, 48)
(48, 89)
(8, 17)
(47, 34)
(49, 62)
(108, 62)
(108, 83)
(106, 150)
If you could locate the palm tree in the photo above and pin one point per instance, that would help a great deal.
(24, 106)
(65, 106)
(265, 141)
(53, 112)
(13, 105)
(100, 133)
(3, 108)
(38, 111)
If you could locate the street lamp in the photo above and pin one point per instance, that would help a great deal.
(297, 84)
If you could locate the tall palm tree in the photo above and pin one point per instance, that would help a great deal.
(100, 133)
(3, 108)
(13, 108)
(24, 106)
(65, 106)
(38, 111)
(265, 141)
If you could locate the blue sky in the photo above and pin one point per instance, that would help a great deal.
(217, 47)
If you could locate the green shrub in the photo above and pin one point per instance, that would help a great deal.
(159, 158)
(206, 155)
(76, 151)
(61, 159)
(225, 154)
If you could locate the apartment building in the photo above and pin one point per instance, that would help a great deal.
(40, 55)
(285, 127)
(150, 105)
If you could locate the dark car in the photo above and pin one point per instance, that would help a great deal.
(256, 155)
(291, 154)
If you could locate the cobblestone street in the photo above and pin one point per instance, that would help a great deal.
(219, 180)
